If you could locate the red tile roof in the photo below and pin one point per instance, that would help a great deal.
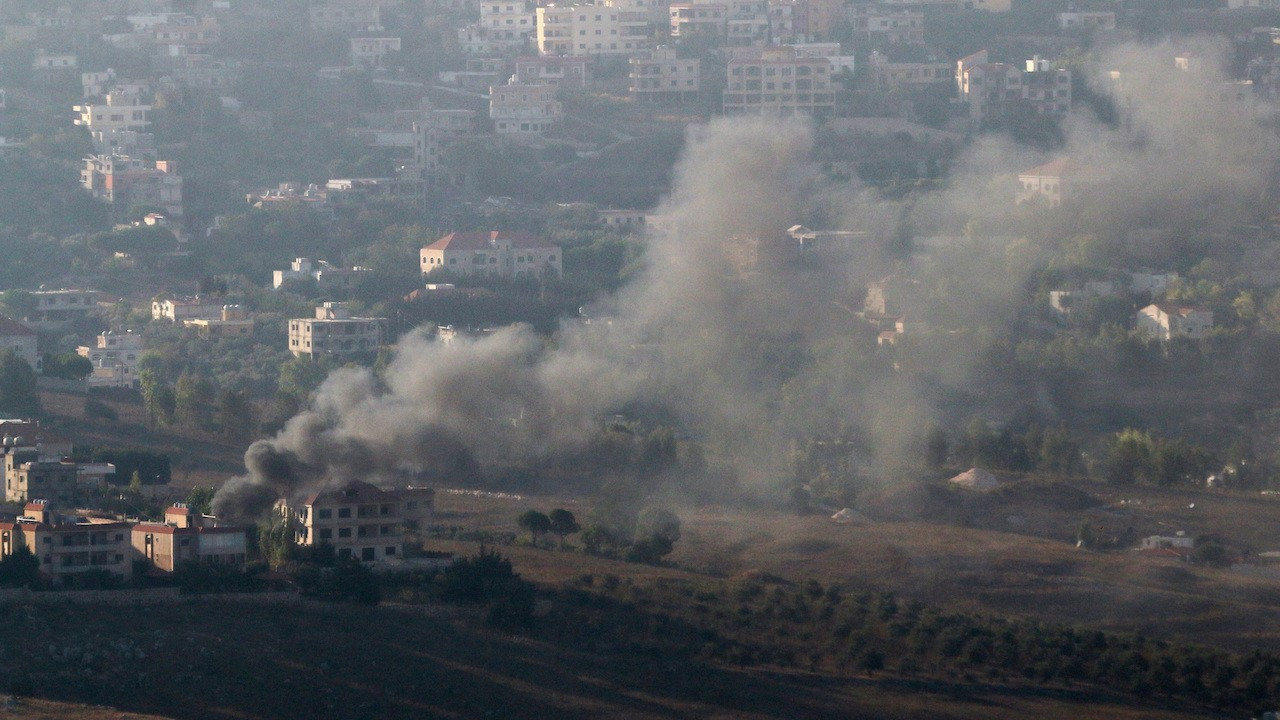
(352, 492)
(484, 240)
(10, 327)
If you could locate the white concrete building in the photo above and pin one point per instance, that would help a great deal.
(519, 109)
(179, 309)
(493, 254)
(115, 358)
(372, 52)
(120, 112)
(56, 308)
(333, 331)
(660, 75)
(1166, 322)
(21, 340)
(612, 27)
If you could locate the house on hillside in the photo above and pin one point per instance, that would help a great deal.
(497, 253)
(1164, 321)
(1056, 182)
(362, 521)
(21, 340)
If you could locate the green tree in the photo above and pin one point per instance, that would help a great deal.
(17, 303)
(275, 540)
(192, 396)
(200, 499)
(536, 523)
(935, 447)
(156, 398)
(19, 569)
(18, 394)
(69, 366)
(235, 415)
(563, 523)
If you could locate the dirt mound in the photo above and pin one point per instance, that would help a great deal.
(945, 503)
(1053, 495)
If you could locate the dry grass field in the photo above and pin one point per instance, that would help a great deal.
(964, 568)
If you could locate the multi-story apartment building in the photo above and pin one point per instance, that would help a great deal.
(233, 321)
(989, 88)
(333, 331)
(698, 19)
(185, 34)
(21, 340)
(611, 27)
(30, 474)
(128, 182)
(69, 546)
(55, 309)
(775, 81)
(115, 358)
(185, 308)
(371, 52)
(831, 52)
(561, 71)
(186, 537)
(1087, 20)
(346, 16)
(662, 76)
(880, 24)
(120, 112)
(496, 254)
(508, 23)
(434, 131)
(890, 75)
(1046, 88)
(361, 521)
(519, 109)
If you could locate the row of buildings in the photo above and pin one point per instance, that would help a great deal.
(72, 548)
(359, 520)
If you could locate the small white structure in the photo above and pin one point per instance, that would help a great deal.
(1157, 542)
(848, 516)
(975, 479)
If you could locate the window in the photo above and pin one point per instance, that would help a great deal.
(324, 513)
(326, 534)
(344, 512)
(344, 532)
(367, 553)
(391, 550)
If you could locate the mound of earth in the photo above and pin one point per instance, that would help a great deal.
(1055, 495)
(937, 502)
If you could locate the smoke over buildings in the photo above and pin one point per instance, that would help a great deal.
(701, 333)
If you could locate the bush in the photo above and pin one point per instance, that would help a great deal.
(487, 578)
(196, 578)
(347, 581)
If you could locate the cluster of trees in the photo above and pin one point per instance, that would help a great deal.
(1140, 456)
(558, 522)
(823, 628)
(192, 403)
(143, 466)
(1032, 448)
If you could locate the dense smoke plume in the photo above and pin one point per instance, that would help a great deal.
(698, 335)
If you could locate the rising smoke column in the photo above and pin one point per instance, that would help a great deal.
(446, 412)
(687, 332)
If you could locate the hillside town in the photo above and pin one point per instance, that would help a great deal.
(931, 342)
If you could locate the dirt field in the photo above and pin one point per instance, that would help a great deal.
(962, 568)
